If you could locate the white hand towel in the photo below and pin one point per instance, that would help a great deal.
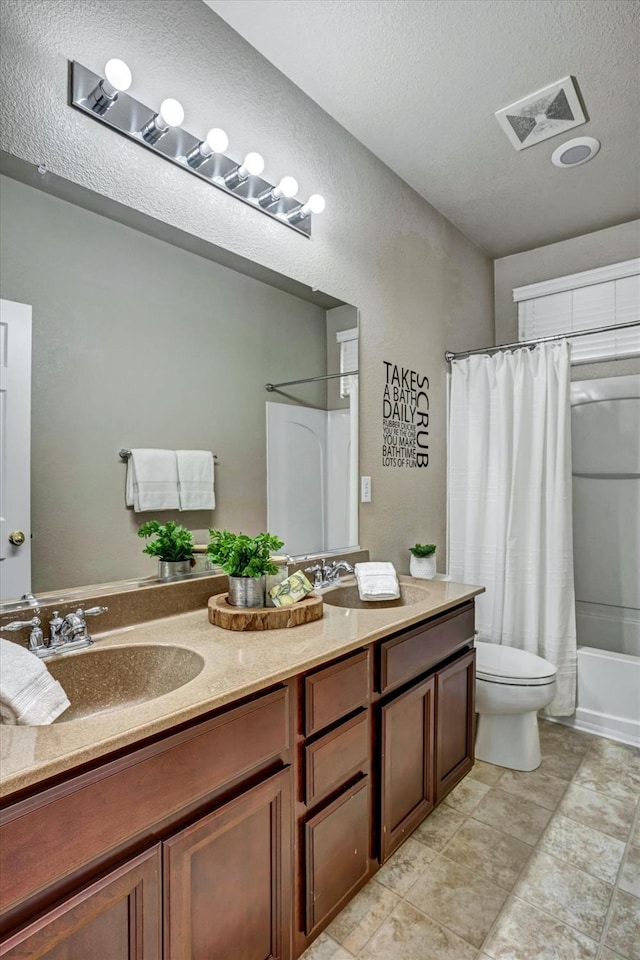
(195, 479)
(28, 692)
(377, 581)
(152, 480)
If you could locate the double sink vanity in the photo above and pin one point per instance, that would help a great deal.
(214, 793)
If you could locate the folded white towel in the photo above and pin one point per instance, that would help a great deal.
(377, 581)
(152, 480)
(28, 692)
(195, 479)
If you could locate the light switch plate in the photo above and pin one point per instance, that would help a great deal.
(365, 489)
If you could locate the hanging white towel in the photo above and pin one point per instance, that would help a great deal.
(196, 479)
(377, 581)
(152, 480)
(28, 692)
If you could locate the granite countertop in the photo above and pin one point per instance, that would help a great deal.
(236, 664)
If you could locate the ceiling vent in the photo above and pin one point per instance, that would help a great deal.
(546, 113)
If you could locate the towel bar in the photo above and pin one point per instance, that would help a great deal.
(125, 454)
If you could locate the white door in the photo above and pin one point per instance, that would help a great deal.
(15, 449)
(296, 476)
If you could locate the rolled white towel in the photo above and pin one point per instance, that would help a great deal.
(377, 581)
(28, 692)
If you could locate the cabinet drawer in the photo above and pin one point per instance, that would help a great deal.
(122, 801)
(337, 852)
(335, 691)
(332, 759)
(407, 656)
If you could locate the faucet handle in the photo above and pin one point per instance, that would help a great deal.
(21, 624)
(92, 611)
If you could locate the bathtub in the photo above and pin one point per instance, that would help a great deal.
(606, 544)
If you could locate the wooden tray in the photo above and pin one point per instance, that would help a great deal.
(222, 614)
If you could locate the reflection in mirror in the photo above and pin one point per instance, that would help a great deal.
(138, 342)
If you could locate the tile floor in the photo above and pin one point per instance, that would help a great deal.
(512, 866)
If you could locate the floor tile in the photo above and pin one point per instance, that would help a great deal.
(615, 752)
(524, 933)
(588, 849)
(409, 935)
(405, 866)
(467, 795)
(488, 852)
(609, 777)
(607, 954)
(568, 737)
(568, 894)
(623, 934)
(439, 827)
(629, 879)
(538, 787)
(598, 811)
(513, 815)
(486, 772)
(361, 918)
(325, 948)
(635, 834)
(559, 761)
(458, 899)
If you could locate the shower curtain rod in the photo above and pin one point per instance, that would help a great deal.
(289, 383)
(449, 356)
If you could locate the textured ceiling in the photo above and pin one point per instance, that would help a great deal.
(418, 82)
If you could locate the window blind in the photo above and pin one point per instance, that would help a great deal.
(348, 340)
(588, 304)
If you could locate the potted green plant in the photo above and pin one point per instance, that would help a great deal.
(246, 561)
(173, 546)
(423, 561)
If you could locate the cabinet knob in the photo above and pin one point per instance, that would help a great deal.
(17, 538)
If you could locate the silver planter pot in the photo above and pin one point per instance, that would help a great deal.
(246, 591)
(174, 568)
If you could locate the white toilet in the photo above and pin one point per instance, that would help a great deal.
(511, 686)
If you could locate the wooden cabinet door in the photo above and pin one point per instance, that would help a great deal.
(227, 880)
(455, 722)
(336, 853)
(407, 740)
(116, 918)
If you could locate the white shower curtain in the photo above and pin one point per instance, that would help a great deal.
(510, 525)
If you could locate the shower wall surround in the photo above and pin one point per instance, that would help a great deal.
(421, 286)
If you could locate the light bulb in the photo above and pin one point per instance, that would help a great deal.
(252, 165)
(216, 141)
(288, 187)
(315, 204)
(118, 75)
(171, 113)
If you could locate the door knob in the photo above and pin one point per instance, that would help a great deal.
(17, 538)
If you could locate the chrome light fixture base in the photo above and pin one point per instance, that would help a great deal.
(130, 118)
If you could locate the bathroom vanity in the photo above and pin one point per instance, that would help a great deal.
(239, 813)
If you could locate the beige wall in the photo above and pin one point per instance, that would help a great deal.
(137, 343)
(592, 250)
(421, 286)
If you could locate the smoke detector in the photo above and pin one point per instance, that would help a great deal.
(543, 114)
(574, 152)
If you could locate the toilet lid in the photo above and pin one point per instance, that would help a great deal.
(501, 664)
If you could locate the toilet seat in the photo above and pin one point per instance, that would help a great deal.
(496, 663)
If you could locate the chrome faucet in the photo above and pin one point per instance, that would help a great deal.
(65, 633)
(328, 574)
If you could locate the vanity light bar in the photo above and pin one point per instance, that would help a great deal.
(160, 130)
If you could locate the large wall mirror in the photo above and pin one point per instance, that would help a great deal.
(140, 342)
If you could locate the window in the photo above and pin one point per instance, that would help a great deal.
(348, 340)
(604, 297)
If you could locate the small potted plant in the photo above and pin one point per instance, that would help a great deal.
(246, 561)
(423, 561)
(173, 546)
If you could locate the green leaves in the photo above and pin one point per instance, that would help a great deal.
(173, 541)
(242, 556)
(423, 549)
